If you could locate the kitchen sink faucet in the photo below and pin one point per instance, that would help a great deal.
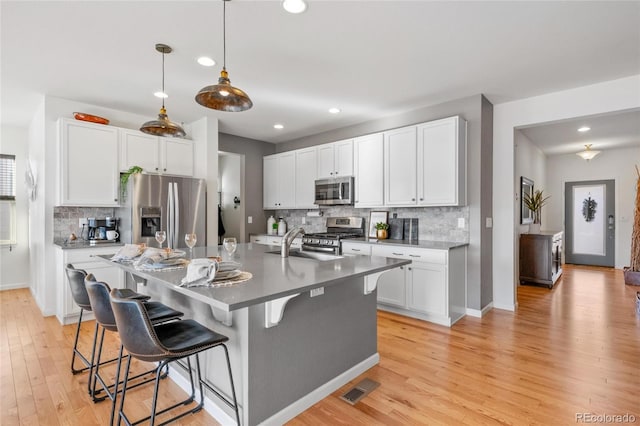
(288, 238)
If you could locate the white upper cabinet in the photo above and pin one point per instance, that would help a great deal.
(279, 190)
(155, 154)
(335, 159)
(442, 162)
(368, 169)
(306, 174)
(400, 167)
(88, 164)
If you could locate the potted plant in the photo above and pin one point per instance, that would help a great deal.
(535, 202)
(124, 179)
(382, 230)
(632, 272)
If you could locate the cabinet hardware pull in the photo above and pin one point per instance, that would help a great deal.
(165, 170)
(409, 268)
(414, 255)
(421, 199)
(355, 249)
(397, 254)
(402, 267)
(156, 169)
(115, 199)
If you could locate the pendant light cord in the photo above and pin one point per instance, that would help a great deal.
(163, 93)
(224, 34)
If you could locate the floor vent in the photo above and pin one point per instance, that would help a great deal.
(359, 391)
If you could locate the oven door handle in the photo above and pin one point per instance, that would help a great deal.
(314, 248)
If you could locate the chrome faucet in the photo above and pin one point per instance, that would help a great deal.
(288, 238)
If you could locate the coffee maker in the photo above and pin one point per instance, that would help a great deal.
(98, 228)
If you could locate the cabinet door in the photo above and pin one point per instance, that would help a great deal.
(361, 249)
(391, 287)
(400, 167)
(89, 174)
(176, 156)
(325, 161)
(427, 288)
(306, 174)
(139, 149)
(368, 168)
(343, 158)
(287, 180)
(441, 172)
(270, 182)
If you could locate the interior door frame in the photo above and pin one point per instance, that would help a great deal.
(609, 260)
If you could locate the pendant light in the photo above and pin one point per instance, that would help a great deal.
(588, 153)
(223, 96)
(163, 126)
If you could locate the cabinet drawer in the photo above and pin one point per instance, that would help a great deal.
(363, 249)
(411, 253)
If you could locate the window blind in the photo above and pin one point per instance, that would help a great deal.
(7, 177)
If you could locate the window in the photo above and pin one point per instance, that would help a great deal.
(7, 199)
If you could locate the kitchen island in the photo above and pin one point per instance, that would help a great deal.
(298, 330)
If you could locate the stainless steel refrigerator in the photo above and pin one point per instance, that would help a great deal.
(163, 203)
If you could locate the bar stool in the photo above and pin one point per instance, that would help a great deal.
(101, 305)
(165, 343)
(81, 298)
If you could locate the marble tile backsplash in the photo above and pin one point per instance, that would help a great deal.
(66, 219)
(434, 223)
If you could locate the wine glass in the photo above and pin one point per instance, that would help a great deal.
(230, 244)
(190, 241)
(160, 237)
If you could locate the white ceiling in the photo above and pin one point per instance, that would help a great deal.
(372, 59)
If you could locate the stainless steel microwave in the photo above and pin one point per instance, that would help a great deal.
(334, 191)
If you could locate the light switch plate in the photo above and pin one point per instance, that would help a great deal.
(461, 222)
(249, 219)
(317, 292)
(489, 222)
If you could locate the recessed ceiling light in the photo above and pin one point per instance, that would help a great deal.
(334, 110)
(206, 61)
(294, 6)
(160, 95)
(584, 129)
(278, 126)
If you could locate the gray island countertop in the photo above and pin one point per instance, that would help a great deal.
(273, 276)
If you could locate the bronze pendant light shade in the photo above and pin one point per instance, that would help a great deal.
(162, 126)
(223, 96)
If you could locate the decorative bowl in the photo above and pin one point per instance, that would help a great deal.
(91, 118)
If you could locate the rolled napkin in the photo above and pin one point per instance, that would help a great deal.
(128, 252)
(200, 270)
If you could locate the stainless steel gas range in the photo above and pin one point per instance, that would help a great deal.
(338, 229)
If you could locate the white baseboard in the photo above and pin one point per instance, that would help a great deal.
(506, 307)
(292, 410)
(479, 313)
(13, 286)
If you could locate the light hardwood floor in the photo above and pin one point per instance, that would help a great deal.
(573, 349)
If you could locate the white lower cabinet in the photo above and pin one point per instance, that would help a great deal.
(431, 288)
(67, 310)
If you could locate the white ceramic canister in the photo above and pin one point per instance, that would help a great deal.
(271, 225)
(282, 227)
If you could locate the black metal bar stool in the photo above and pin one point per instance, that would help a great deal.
(101, 306)
(81, 298)
(164, 343)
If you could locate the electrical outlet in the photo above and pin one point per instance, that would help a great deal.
(82, 221)
(304, 220)
(249, 219)
(461, 222)
(317, 292)
(489, 222)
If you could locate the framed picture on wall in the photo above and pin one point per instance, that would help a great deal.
(376, 217)
(526, 188)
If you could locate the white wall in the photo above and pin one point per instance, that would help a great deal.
(14, 261)
(231, 176)
(615, 95)
(530, 162)
(617, 164)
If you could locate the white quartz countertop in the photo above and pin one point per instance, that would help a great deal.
(83, 244)
(273, 276)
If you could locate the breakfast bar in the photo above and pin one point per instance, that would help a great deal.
(299, 328)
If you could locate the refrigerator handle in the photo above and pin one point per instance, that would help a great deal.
(176, 219)
(170, 216)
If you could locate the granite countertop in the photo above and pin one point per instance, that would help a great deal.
(435, 245)
(273, 276)
(84, 244)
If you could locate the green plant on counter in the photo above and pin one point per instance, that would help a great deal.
(382, 225)
(124, 179)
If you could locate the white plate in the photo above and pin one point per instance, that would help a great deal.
(228, 265)
(221, 276)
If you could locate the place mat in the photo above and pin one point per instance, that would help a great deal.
(156, 267)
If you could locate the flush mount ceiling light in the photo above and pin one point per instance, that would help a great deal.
(223, 96)
(334, 110)
(278, 126)
(294, 6)
(163, 126)
(588, 153)
(206, 61)
(584, 129)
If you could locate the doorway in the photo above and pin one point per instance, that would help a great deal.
(231, 196)
(589, 217)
